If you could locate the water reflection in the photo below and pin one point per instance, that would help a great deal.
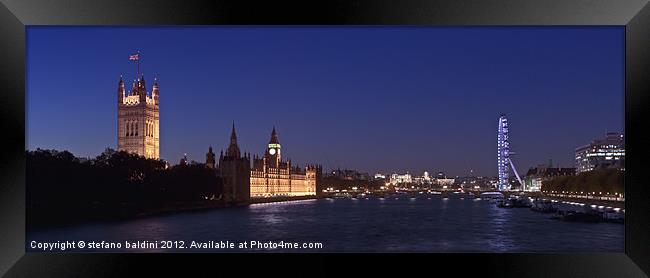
(424, 223)
(500, 239)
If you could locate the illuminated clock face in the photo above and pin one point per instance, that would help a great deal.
(272, 151)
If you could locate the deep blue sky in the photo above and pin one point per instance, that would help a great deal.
(369, 98)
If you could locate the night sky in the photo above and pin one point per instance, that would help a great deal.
(368, 98)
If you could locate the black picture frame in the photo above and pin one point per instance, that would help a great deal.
(15, 15)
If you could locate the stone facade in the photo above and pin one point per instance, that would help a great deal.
(234, 169)
(138, 119)
(269, 175)
(273, 177)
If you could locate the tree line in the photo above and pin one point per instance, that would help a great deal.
(62, 188)
(599, 180)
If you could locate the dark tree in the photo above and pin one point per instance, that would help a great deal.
(62, 188)
(599, 180)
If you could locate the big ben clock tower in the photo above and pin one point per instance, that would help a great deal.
(273, 150)
(271, 177)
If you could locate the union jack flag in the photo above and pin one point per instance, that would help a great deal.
(134, 57)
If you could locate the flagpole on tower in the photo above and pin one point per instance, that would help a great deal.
(138, 61)
(136, 57)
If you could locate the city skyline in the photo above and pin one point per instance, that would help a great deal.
(341, 97)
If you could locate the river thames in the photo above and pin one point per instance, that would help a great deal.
(426, 223)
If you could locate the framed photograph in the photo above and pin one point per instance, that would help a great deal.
(431, 134)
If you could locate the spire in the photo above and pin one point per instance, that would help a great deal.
(134, 88)
(274, 137)
(209, 158)
(154, 91)
(120, 90)
(233, 149)
(233, 134)
(143, 84)
(142, 89)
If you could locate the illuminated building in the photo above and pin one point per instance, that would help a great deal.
(400, 179)
(445, 181)
(424, 179)
(138, 119)
(380, 176)
(608, 152)
(270, 176)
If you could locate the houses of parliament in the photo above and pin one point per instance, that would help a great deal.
(138, 131)
(246, 177)
(138, 119)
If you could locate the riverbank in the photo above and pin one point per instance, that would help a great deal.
(606, 203)
(282, 199)
(568, 209)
